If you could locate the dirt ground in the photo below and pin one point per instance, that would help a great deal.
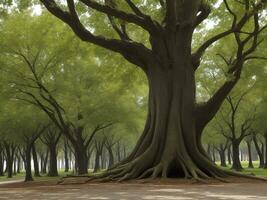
(168, 190)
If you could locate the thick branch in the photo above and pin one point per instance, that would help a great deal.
(134, 52)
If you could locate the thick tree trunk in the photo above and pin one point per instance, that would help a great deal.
(53, 161)
(236, 161)
(168, 145)
(81, 160)
(260, 153)
(250, 163)
(28, 168)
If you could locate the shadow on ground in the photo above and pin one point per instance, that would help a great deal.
(133, 191)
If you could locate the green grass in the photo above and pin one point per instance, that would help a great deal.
(43, 177)
(251, 171)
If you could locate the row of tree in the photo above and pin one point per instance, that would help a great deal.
(81, 91)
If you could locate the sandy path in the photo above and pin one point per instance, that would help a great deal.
(115, 191)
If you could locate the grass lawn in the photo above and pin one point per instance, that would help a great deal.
(43, 177)
(251, 171)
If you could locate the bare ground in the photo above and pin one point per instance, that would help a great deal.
(238, 189)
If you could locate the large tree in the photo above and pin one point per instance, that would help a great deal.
(171, 141)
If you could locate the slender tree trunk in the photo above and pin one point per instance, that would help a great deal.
(18, 164)
(209, 151)
(229, 156)
(260, 153)
(53, 161)
(265, 137)
(66, 157)
(14, 167)
(222, 155)
(111, 157)
(118, 152)
(250, 163)
(213, 155)
(236, 161)
(28, 169)
(42, 162)
(35, 162)
(97, 162)
(45, 162)
(103, 160)
(9, 164)
(1, 164)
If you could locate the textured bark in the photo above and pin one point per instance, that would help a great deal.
(35, 162)
(10, 153)
(52, 161)
(259, 151)
(250, 163)
(236, 160)
(28, 168)
(81, 159)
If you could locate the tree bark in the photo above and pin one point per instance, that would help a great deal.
(168, 146)
(35, 162)
(14, 166)
(97, 162)
(18, 164)
(229, 155)
(81, 159)
(250, 163)
(265, 137)
(10, 151)
(260, 153)
(221, 151)
(236, 161)
(52, 161)
(66, 156)
(118, 149)
(45, 162)
(1, 164)
(111, 157)
(28, 169)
